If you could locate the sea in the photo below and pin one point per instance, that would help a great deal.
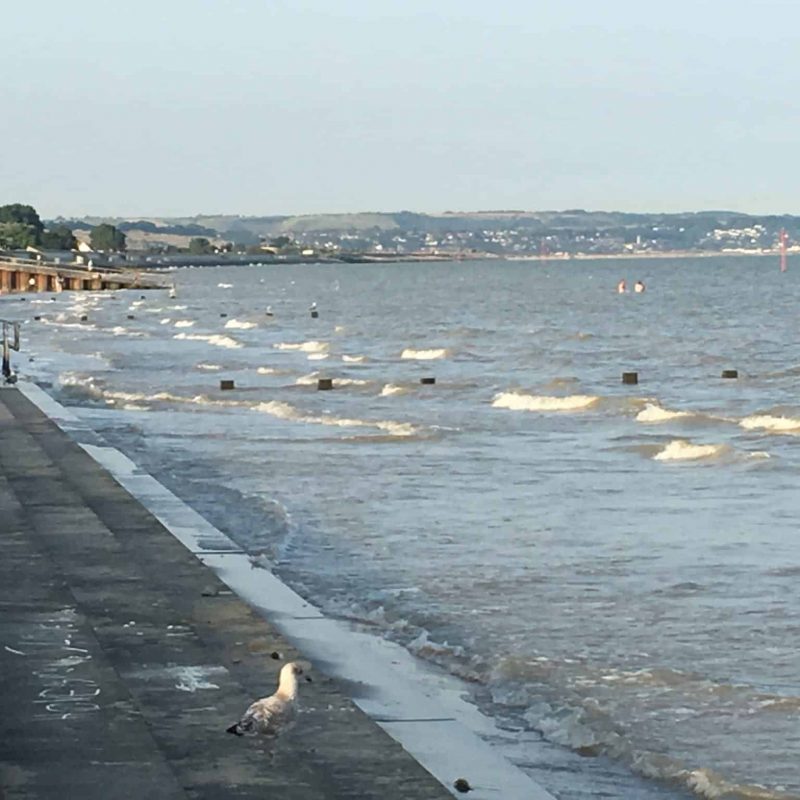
(611, 569)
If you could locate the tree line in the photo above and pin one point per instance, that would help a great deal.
(21, 227)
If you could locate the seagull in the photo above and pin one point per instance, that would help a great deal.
(269, 311)
(271, 716)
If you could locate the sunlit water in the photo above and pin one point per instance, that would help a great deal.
(611, 567)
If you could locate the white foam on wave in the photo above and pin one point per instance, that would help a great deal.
(317, 356)
(391, 388)
(311, 380)
(266, 371)
(209, 367)
(215, 339)
(134, 407)
(75, 379)
(137, 303)
(225, 286)
(425, 355)
(113, 397)
(77, 325)
(239, 324)
(118, 330)
(304, 347)
(353, 359)
(681, 450)
(655, 413)
(768, 422)
(274, 408)
(166, 321)
(179, 308)
(281, 410)
(184, 323)
(517, 401)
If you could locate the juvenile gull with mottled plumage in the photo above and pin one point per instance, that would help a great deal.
(271, 716)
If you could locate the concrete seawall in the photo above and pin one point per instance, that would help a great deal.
(127, 647)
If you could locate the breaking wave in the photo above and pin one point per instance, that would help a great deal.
(215, 339)
(239, 324)
(516, 401)
(281, 410)
(353, 359)
(767, 422)
(184, 323)
(391, 388)
(209, 367)
(425, 355)
(654, 413)
(681, 450)
(118, 330)
(311, 380)
(304, 347)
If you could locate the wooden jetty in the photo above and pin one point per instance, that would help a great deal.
(36, 275)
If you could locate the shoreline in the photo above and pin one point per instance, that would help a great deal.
(417, 704)
(167, 263)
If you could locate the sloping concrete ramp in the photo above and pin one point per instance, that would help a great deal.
(125, 653)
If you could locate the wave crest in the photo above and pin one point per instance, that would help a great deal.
(517, 401)
(282, 410)
(655, 413)
(239, 324)
(215, 339)
(311, 379)
(304, 347)
(768, 422)
(425, 355)
(681, 450)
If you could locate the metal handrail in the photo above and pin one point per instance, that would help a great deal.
(14, 326)
(7, 324)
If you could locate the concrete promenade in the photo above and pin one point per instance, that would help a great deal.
(123, 658)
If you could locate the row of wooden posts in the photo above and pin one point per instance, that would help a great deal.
(632, 378)
(323, 384)
(326, 384)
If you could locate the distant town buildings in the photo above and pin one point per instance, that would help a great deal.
(554, 234)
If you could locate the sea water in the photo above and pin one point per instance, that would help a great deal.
(611, 568)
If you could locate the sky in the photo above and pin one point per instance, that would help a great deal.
(257, 107)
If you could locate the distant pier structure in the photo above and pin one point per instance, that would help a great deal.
(38, 275)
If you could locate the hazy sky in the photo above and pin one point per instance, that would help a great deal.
(293, 106)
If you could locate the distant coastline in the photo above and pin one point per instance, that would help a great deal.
(238, 259)
(452, 235)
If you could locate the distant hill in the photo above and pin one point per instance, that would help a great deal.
(499, 232)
